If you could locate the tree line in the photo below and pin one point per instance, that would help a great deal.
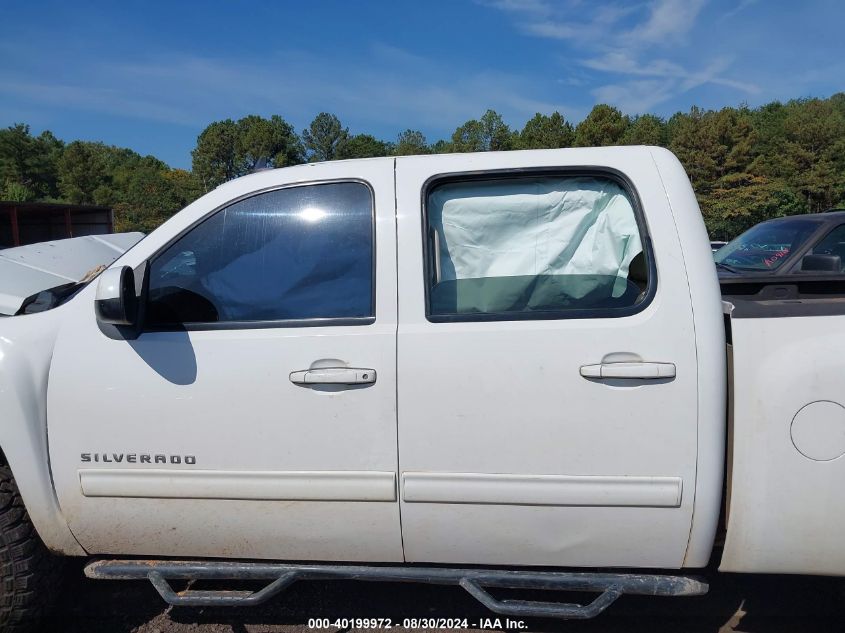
(746, 164)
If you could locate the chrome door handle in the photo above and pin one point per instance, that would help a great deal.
(333, 376)
(640, 370)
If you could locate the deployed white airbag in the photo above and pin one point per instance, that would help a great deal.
(579, 227)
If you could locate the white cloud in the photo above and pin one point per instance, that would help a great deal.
(536, 7)
(557, 30)
(635, 96)
(630, 44)
(622, 62)
(668, 20)
(383, 85)
(95, 99)
(740, 6)
(591, 31)
(665, 80)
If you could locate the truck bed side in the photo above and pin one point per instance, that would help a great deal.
(785, 504)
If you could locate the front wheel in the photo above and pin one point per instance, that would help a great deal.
(28, 572)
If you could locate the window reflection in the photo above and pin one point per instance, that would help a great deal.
(312, 214)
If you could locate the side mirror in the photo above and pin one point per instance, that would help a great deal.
(821, 263)
(115, 301)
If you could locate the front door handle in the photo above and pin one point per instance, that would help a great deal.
(333, 376)
(639, 370)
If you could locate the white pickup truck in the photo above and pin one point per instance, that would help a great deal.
(511, 365)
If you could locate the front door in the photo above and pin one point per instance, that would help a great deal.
(254, 416)
(547, 364)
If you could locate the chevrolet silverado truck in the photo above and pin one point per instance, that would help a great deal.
(495, 370)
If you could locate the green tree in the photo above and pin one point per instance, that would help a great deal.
(14, 191)
(497, 135)
(713, 144)
(228, 149)
(810, 152)
(441, 147)
(838, 102)
(83, 174)
(363, 146)
(215, 158)
(604, 125)
(273, 140)
(142, 190)
(740, 201)
(143, 196)
(469, 137)
(689, 144)
(488, 134)
(768, 126)
(745, 164)
(717, 148)
(185, 187)
(28, 164)
(735, 140)
(323, 137)
(150, 192)
(646, 129)
(411, 142)
(145, 191)
(546, 132)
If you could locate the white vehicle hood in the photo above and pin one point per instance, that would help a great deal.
(27, 270)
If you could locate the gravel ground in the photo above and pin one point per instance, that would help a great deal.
(775, 604)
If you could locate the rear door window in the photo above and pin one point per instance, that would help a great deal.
(524, 247)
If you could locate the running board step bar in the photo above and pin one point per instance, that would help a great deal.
(475, 581)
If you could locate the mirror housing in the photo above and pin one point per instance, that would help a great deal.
(115, 302)
(821, 263)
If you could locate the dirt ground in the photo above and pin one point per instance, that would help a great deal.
(770, 604)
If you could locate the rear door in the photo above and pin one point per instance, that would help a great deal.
(547, 362)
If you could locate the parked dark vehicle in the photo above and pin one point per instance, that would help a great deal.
(808, 244)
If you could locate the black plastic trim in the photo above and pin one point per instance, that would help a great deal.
(791, 295)
(745, 309)
(522, 172)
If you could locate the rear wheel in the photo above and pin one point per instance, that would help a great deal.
(28, 572)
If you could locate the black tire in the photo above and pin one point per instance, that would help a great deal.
(28, 571)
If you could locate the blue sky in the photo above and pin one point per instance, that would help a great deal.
(151, 75)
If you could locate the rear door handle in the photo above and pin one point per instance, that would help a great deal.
(640, 370)
(333, 376)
